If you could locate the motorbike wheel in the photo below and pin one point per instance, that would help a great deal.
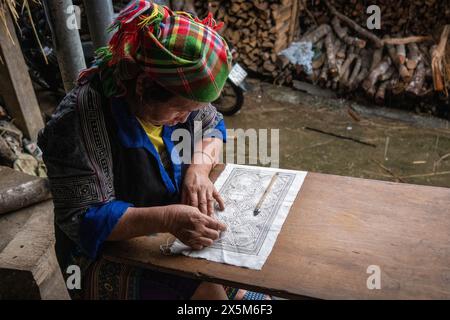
(231, 99)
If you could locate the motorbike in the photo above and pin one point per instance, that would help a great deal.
(231, 99)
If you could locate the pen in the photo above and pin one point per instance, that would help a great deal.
(264, 196)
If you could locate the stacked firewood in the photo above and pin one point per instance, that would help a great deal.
(258, 29)
(349, 56)
(408, 16)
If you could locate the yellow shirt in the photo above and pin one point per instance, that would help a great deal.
(154, 133)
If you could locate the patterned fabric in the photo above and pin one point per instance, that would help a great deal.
(241, 294)
(186, 56)
(75, 192)
(77, 153)
(106, 279)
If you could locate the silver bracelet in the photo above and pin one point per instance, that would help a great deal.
(210, 158)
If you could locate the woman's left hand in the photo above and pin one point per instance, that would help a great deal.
(199, 191)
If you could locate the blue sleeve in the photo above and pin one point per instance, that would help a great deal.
(98, 223)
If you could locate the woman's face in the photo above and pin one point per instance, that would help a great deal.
(170, 113)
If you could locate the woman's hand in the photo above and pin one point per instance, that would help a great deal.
(198, 190)
(192, 227)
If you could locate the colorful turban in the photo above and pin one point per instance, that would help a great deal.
(184, 55)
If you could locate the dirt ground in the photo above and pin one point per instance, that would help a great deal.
(408, 148)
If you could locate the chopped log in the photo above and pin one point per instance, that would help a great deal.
(405, 74)
(437, 57)
(401, 54)
(376, 58)
(416, 85)
(269, 66)
(331, 54)
(363, 74)
(381, 92)
(318, 63)
(263, 6)
(342, 33)
(356, 70)
(342, 51)
(282, 61)
(406, 40)
(339, 63)
(413, 56)
(340, 30)
(388, 74)
(323, 78)
(369, 84)
(345, 70)
(319, 33)
(402, 69)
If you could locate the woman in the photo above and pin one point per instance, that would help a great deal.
(108, 150)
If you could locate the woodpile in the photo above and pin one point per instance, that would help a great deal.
(407, 56)
(415, 17)
(258, 29)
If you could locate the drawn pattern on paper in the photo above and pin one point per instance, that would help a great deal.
(241, 192)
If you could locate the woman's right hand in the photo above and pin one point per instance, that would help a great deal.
(191, 227)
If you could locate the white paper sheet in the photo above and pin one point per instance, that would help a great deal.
(249, 239)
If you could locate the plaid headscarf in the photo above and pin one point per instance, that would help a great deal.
(186, 56)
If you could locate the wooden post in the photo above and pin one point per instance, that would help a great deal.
(100, 14)
(66, 40)
(16, 87)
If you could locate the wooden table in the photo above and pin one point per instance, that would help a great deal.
(337, 228)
